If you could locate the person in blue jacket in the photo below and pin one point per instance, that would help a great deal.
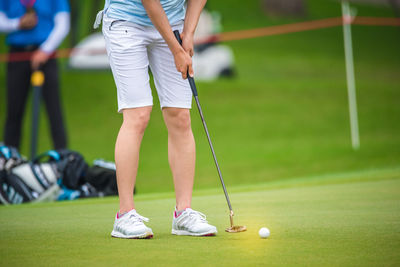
(34, 28)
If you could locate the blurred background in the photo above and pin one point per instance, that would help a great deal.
(279, 111)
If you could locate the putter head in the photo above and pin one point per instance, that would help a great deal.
(234, 228)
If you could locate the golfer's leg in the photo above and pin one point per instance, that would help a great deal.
(181, 153)
(127, 51)
(127, 148)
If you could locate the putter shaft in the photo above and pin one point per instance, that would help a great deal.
(212, 149)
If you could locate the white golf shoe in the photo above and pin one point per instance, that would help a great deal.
(191, 222)
(130, 225)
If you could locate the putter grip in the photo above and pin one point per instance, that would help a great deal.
(190, 79)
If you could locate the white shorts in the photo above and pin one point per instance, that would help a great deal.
(131, 49)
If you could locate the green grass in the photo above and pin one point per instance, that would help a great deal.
(281, 133)
(349, 219)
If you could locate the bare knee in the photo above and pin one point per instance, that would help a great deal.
(177, 120)
(136, 119)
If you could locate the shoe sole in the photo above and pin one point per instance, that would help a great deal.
(183, 232)
(147, 235)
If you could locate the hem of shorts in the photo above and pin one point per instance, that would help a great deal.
(176, 105)
(120, 109)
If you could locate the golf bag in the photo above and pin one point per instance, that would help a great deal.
(53, 175)
(9, 157)
(102, 176)
(22, 181)
(73, 169)
(70, 164)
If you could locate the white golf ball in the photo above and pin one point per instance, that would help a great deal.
(264, 232)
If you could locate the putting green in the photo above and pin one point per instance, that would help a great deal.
(349, 221)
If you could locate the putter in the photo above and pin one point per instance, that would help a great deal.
(233, 228)
(37, 80)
